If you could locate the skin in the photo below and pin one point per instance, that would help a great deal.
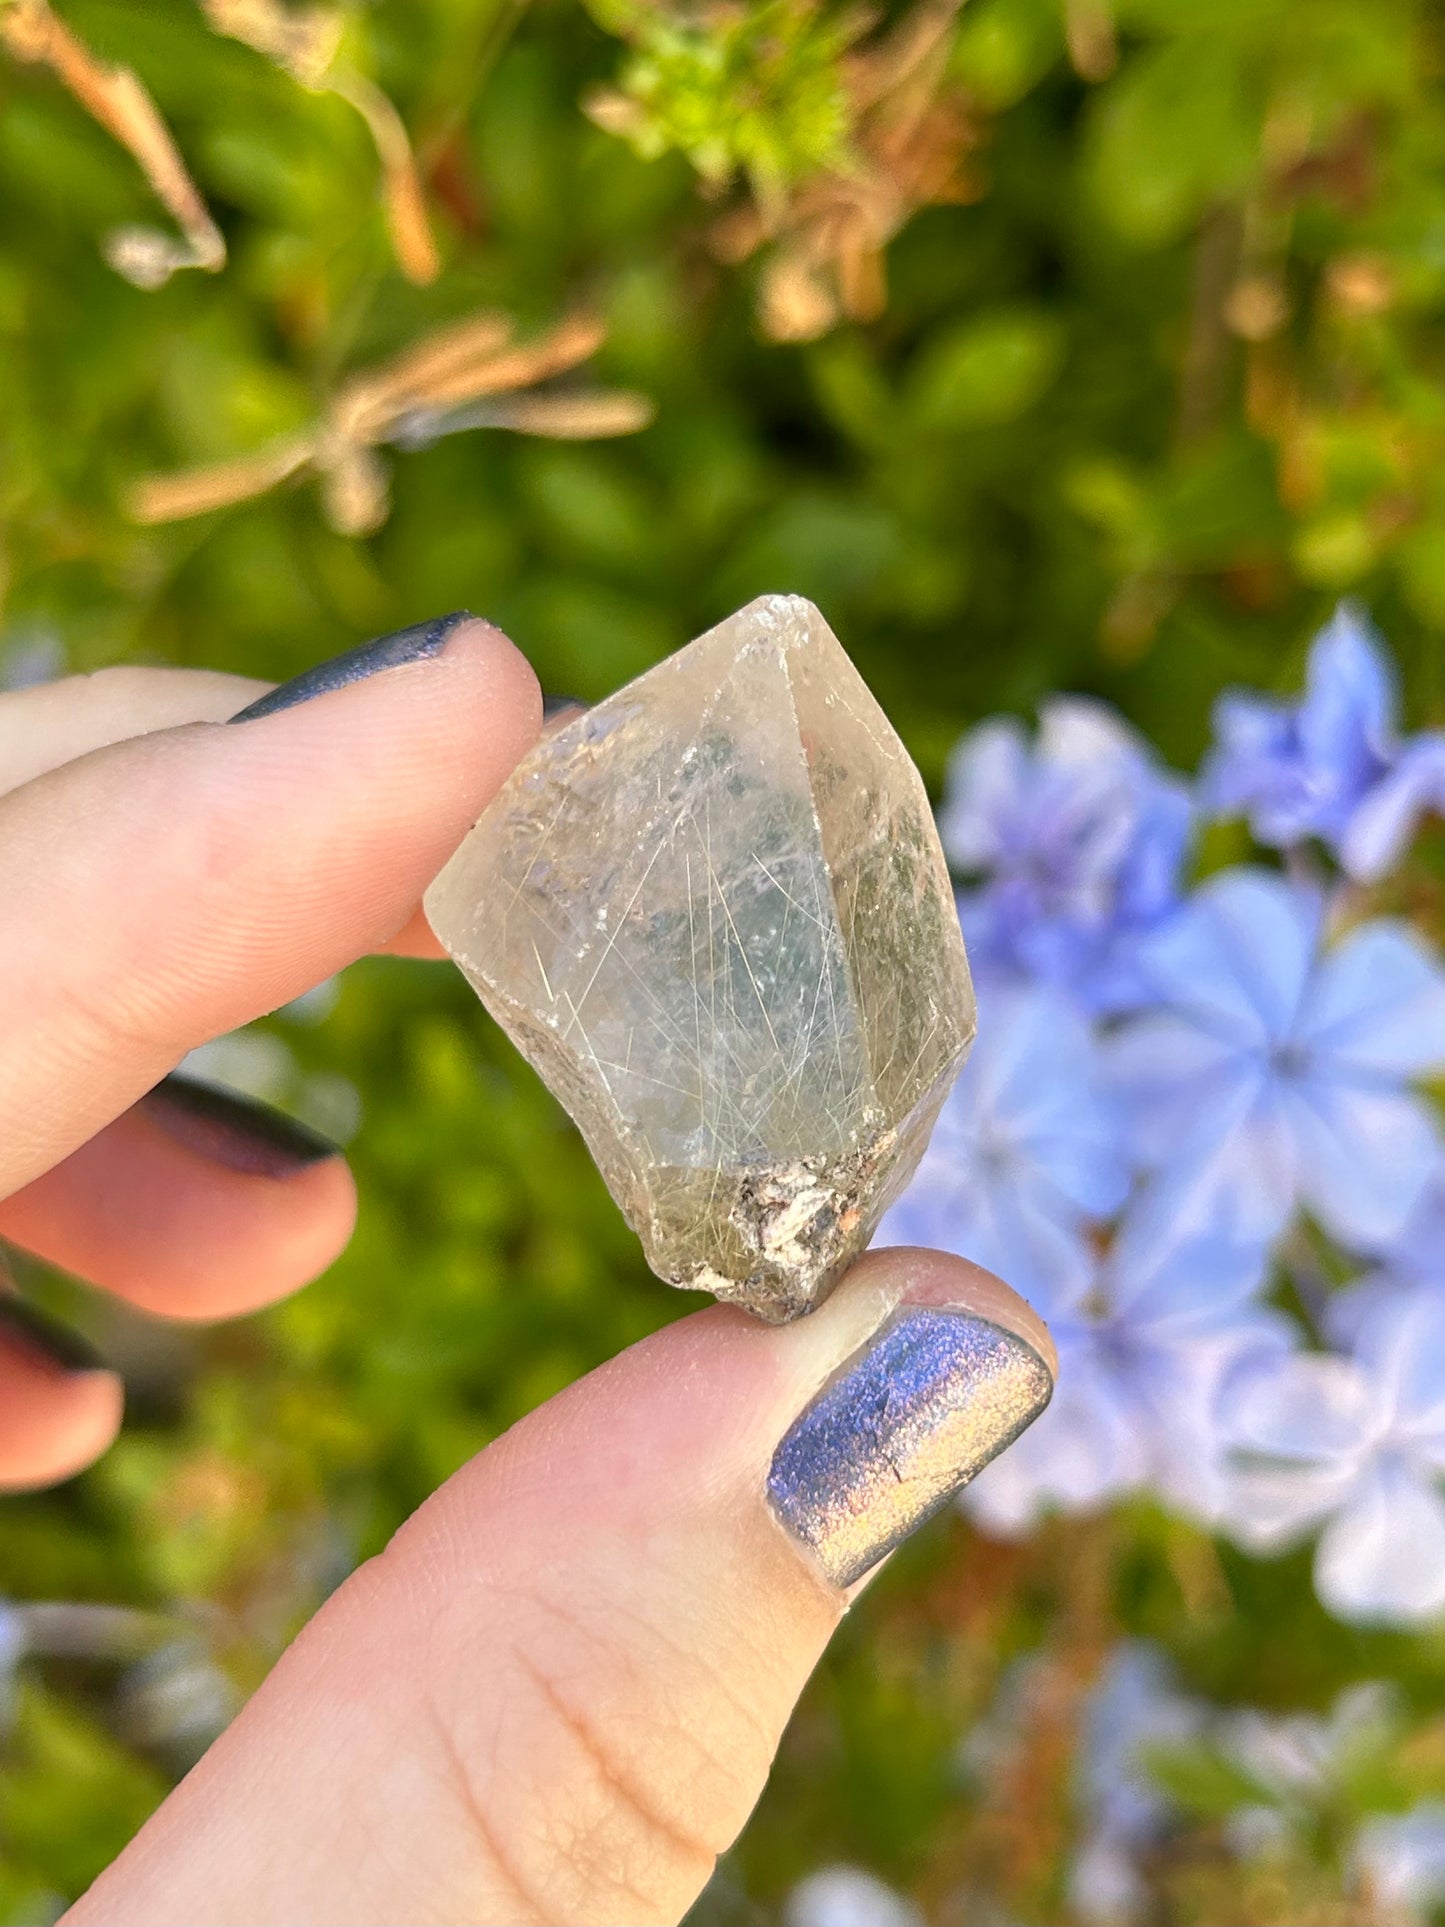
(556, 1695)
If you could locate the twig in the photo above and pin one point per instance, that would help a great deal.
(307, 45)
(470, 375)
(116, 99)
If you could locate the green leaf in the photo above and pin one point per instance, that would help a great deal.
(987, 370)
(1005, 47)
(1177, 130)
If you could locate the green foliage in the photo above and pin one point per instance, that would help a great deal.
(1132, 417)
(755, 90)
(990, 368)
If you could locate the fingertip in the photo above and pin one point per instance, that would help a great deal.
(53, 1426)
(192, 878)
(416, 938)
(196, 1204)
(252, 1249)
(943, 1281)
(517, 686)
(935, 1368)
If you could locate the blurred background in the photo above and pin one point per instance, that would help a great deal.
(1085, 345)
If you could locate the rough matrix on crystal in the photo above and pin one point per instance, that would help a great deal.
(713, 913)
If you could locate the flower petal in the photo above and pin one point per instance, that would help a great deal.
(1235, 960)
(1347, 719)
(1400, 1338)
(1002, 1228)
(1148, 881)
(988, 778)
(1169, 1276)
(1364, 1157)
(1379, 830)
(1178, 1083)
(1027, 1145)
(1401, 1857)
(1293, 1431)
(1376, 1005)
(1382, 1557)
(1308, 1409)
(1251, 769)
(1040, 1088)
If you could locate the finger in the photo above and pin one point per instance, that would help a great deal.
(59, 1408)
(195, 1204)
(416, 938)
(556, 1695)
(54, 723)
(168, 888)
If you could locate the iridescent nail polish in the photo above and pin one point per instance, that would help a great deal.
(416, 644)
(232, 1129)
(899, 1429)
(39, 1339)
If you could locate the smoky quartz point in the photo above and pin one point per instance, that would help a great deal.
(714, 914)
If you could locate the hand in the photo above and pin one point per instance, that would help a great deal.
(556, 1695)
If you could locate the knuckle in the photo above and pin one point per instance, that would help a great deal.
(605, 1771)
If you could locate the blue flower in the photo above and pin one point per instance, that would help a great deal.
(1135, 1709)
(1303, 1767)
(1332, 765)
(1073, 845)
(1354, 1444)
(1168, 1315)
(1412, 1264)
(1301, 769)
(1275, 1071)
(1028, 1146)
(1399, 1858)
(1379, 832)
(844, 1896)
(14, 1645)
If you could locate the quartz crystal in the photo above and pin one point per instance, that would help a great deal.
(714, 914)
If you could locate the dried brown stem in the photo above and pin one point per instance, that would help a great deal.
(591, 415)
(569, 343)
(429, 387)
(172, 498)
(307, 45)
(1208, 349)
(406, 215)
(1091, 38)
(117, 100)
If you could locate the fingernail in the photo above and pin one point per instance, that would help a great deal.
(416, 644)
(38, 1338)
(900, 1428)
(234, 1130)
(555, 706)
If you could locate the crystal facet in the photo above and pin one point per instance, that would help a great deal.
(714, 914)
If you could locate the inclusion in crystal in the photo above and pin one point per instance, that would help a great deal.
(713, 912)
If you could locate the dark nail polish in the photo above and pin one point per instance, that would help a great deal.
(233, 1130)
(555, 706)
(416, 644)
(25, 1329)
(901, 1427)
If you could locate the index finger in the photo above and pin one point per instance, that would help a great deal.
(52, 723)
(163, 889)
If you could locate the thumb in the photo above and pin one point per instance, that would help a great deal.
(556, 1696)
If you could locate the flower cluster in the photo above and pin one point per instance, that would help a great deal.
(1196, 1131)
(1155, 1759)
